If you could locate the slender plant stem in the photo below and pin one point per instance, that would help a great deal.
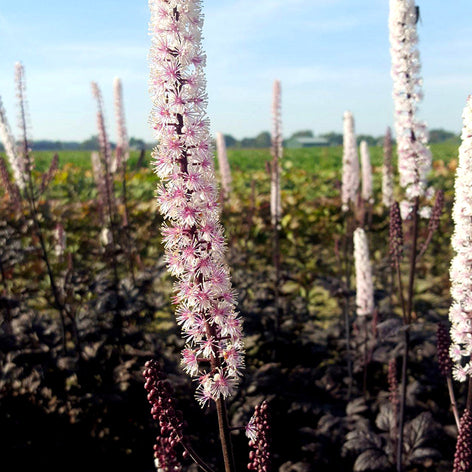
(347, 250)
(8, 316)
(366, 358)
(406, 333)
(469, 395)
(55, 292)
(225, 436)
(276, 259)
(196, 458)
(129, 246)
(401, 419)
(452, 397)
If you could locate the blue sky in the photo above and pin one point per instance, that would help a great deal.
(330, 56)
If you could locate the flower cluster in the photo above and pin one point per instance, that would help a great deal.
(460, 313)
(463, 454)
(277, 151)
(188, 199)
(14, 158)
(395, 235)
(59, 240)
(258, 432)
(171, 423)
(443, 343)
(367, 185)
(122, 144)
(225, 171)
(414, 158)
(23, 121)
(387, 170)
(393, 383)
(11, 188)
(364, 285)
(350, 170)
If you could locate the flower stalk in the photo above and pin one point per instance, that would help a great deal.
(223, 164)
(188, 199)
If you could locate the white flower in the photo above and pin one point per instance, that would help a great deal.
(350, 170)
(367, 186)
(460, 313)
(225, 171)
(364, 285)
(414, 158)
(188, 199)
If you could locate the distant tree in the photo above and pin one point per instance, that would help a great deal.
(370, 140)
(262, 140)
(247, 143)
(306, 133)
(90, 144)
(441, 135)
(334, 139)
(136, 143)
(230, 141)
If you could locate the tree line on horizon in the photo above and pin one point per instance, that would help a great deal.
(262, 140)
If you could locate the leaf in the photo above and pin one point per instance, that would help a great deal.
(386, 419)
(372, 459)
(290, 287)
(420, 454)
(358, 440)
(389, 328)
(417, 431)
(356, 406)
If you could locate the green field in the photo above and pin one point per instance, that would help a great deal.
(310, 159)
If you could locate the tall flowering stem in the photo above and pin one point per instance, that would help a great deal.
(14, 157)
(460, 313)
(25, 167)
(367, 184)
(223, 163)
(276, 199)
(277, 151)
(106, 161)
(364, 285)
(387, 170)
(23, 123)
(350, 168)
(414, 157)
(122, 143)
(349, 199)
(121, 158)
(364, 288)
(106, 189)
(188, 199)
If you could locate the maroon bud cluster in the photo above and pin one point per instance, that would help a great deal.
(393, 382)
(443, 342)
(171, 423)
(463, 454)
(49, 174)
(437, 211)
(395, 234)
(12, 188)
(259, 454)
